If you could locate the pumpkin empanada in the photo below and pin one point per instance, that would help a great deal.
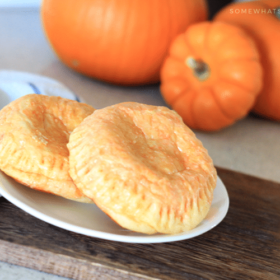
(34, 131)
(143, 167)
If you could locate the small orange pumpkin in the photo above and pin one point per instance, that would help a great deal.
(118, 41)
(212, 75)
(261, 19)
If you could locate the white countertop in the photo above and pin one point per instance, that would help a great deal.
(251, 146)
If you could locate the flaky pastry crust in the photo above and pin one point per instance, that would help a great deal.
(143, 167)
(34, 131)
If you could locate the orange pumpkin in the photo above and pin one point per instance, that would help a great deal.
(118, 41)
(212, 75)
(261, 19)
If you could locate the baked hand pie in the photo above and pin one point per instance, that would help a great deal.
(143, 167)
(34, 131)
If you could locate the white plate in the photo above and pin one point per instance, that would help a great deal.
(89, 220)
(15, 84)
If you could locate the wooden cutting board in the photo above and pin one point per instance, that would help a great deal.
(246, 245)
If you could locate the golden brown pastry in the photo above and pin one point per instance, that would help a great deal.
(34, 131)
(143, 167)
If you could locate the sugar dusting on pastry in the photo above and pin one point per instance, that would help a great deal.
(34, 131)
(143, 167)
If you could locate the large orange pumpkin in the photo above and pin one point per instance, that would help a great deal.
(261, 19)
(118, 41)
(212, 75)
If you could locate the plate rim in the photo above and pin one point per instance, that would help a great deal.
(145, 239)
(14, 76)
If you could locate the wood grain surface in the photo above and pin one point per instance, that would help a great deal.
(246, 245)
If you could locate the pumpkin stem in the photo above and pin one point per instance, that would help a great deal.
(277, 14)
(200, 69)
